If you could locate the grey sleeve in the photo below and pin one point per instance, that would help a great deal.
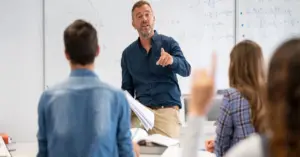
(189, 140)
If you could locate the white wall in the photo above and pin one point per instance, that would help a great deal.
(21, 69)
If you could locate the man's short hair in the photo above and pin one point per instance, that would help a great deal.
(138, 4)
(81, 42)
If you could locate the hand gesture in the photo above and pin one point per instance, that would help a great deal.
(202, 89)
(165, 58)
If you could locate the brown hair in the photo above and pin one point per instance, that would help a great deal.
(81, 42)
(283, 93)
(247, 76)
(139, 4)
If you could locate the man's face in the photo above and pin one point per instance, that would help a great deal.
(143, 20)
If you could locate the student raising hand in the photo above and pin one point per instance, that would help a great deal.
(202, 92)
(202, 89)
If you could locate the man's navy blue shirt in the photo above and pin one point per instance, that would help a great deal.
(151, 84)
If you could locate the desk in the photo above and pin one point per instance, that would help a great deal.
(30, 150)
(176, 152)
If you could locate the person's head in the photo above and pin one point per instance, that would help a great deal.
(81, 43)
(143, 18)
(246, 74)
(283, 93)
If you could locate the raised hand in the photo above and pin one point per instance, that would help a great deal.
(165, 58)
(202, 89)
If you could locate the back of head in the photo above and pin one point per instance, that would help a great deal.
(283, 93)
(247, 76)
(81, 42)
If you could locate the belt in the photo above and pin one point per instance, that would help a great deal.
(161, 107)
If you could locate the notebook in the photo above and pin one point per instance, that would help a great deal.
(152, 144)
(141, 136)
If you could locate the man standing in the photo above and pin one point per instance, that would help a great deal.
(82, 116)
(149, 68)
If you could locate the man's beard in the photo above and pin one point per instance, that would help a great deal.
(144, 34)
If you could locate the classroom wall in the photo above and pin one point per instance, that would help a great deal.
(21, 70)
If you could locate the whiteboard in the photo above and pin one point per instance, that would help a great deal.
(268, 22)
(199, 26)
(21, 51)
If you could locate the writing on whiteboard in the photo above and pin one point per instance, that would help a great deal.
(212, 3)
(274, 11)
(217, 14)
(214, 25)
(208, 3)
(273, 23)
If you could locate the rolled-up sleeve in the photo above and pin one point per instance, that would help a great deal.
(180, 65)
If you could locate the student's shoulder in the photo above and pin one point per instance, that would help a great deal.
(249, 147)
(231, 93)
(56, 88)
(116, 93)
(109, 88)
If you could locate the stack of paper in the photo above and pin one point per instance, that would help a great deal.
(145, 115)
(3, 149)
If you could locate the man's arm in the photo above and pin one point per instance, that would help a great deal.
(180, 65)
(41, 135)
(127, 83)
(123, 130)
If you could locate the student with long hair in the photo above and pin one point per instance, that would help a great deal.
(242, 102)
(283, 108)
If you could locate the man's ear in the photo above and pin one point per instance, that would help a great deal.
(132, 23)
(67, 55)
(98, 51)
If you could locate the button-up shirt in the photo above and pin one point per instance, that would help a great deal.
(151, 84)
(83, 117)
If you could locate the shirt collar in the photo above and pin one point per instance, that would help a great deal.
(155, 36)
(82, 72)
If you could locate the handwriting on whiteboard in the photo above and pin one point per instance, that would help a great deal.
(274, 11)
(269, 23)
(209, 3)
(217, 14)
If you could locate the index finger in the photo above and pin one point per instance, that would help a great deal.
(162, 50)
(213, 64)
